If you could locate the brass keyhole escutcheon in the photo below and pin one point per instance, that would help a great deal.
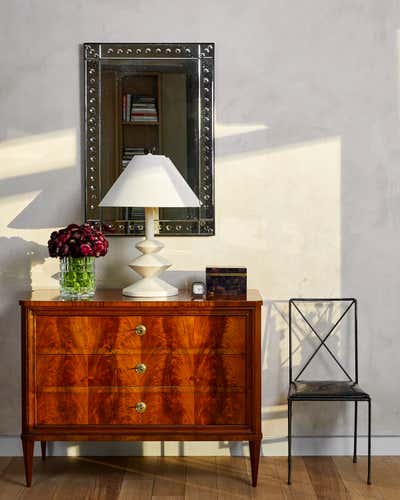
(140, 407)
(140, 368)
(140, 330)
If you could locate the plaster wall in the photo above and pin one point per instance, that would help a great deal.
(307, 184)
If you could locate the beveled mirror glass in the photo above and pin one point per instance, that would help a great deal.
(149, 97)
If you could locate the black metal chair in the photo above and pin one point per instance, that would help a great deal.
(327, 390)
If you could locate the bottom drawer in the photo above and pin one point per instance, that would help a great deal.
(168, 406)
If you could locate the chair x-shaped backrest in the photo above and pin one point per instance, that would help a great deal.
(322, 340)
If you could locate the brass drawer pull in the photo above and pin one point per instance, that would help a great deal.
(140, 330)
(140, 407)
(140, 368)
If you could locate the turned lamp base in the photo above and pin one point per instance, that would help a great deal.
(149, 266)
(150, 287)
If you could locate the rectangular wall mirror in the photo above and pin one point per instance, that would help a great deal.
(149, 97)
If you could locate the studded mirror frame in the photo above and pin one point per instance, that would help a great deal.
(93, 54)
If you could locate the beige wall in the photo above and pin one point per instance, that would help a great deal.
(307, 183)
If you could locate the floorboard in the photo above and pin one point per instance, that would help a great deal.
(201, 478)
(325, 478)
(197, 478)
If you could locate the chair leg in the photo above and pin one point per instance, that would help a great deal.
(355, 431)
(369, 442)
(289, 442)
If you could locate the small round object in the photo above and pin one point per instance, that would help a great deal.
(140, 407)
(140, 368)
(140, 330)
(198, 289)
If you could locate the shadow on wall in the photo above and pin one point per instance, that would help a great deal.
(51, 206)
(17, 258)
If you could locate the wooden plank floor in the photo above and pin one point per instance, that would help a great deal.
(193, 478)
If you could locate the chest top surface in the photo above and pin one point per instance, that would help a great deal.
(114, 298)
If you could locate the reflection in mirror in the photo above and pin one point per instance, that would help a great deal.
(160, 104)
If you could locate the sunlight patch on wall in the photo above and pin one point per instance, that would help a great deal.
(46, 274)
(73, 450)
(232, 129)
(38, 153)
(274, 429)
(285, 204)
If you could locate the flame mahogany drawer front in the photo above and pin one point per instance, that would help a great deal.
(103, 334)
(208, 369)
(118, 368)
(163, 406)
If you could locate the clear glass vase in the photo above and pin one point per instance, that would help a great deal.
(77, 277)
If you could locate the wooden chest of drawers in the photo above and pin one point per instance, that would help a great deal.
(118, 368)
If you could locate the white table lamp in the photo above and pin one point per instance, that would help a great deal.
(150, 181)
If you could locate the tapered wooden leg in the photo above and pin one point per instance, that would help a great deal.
(43, 447)
(27, 446)
(254, 459)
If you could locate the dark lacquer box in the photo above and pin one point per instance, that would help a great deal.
(226, 281)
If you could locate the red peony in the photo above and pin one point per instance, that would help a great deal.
(87, 250)
(77, 241)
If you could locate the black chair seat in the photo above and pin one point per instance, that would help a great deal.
(326, 389)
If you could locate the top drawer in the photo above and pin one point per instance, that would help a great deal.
(118, 334)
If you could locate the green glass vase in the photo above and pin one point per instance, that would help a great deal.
(77, 277)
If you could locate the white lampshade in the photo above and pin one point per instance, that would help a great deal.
(150, 181)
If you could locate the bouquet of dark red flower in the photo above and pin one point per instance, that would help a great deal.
(77, 241)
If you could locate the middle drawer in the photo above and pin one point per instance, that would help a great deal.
(165, 369)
